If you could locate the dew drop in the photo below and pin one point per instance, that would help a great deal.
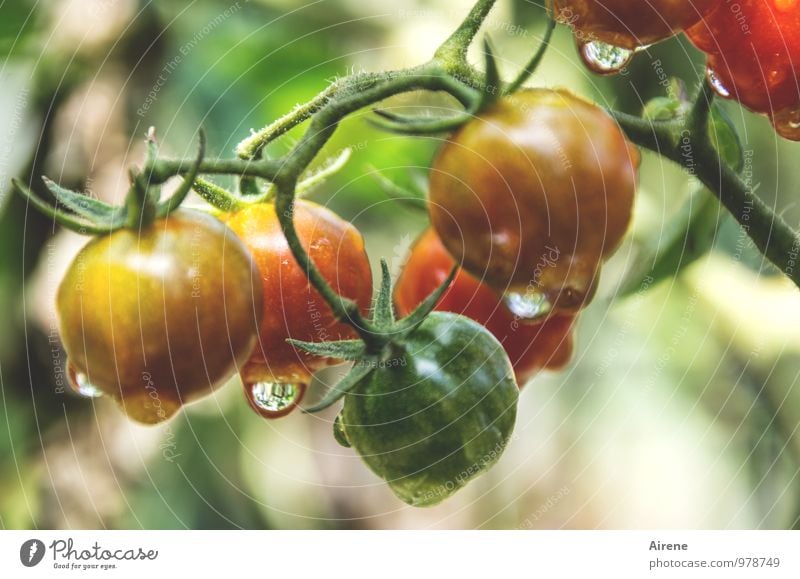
(787, 123)
(602, 58)
(339, 433)
(716, 84)
(529, 305)
(274, 399)
(79, 382)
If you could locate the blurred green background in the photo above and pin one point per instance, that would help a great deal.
(679, 410)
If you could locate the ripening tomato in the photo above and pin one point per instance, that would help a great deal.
(158, 318)
(753, 49)
(438, 413)
(629, 24)
(533, 195)
(530, 347)
(277, 373)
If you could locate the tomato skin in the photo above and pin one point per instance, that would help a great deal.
(629, 24)
(292, 308)
(158, 318)
(439, 411)
(530, 347)
(753, 49)
(535, 193)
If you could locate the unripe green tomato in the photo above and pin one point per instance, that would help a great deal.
(436, 413)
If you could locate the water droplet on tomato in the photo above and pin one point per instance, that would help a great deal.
(716, 84)
(787, 123)
(339, 433)
(528, 305)
(602, 58)
(80, 384)
(274, 399)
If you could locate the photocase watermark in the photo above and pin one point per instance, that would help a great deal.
(465, 475)
(67, 556)
(533, 289)
(740, 16)
(743, 240)
(10, 137)
(31, 552)
(168, 446)
(546, 506)
(316, 319)
(398, 362)
(687, 153)
(196, 271)
(184, 51)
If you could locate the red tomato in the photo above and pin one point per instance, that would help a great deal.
(628, 23)
(753, 49)
(537, 191)
(531, 347)
(292, 308)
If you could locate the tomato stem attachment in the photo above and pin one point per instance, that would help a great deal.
(689, 143)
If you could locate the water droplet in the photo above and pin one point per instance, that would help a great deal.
(339, 433)
(79, 382)
(602, 58)
(529, 305)
(787, 123)
(716, 84)
(274, 399)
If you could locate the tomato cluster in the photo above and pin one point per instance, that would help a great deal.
(753, 49)
(158, 318)
(753, 46)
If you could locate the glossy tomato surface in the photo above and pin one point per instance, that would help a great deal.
(753, 49)
(437, 413)
(292, 308)
(629, 24)
(531, 347)
(534, 194)
(158, 318)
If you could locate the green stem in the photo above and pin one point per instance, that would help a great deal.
(535, 61)
(166, 168)
(688, 144)
(454, 50)
(252, 146)
(322, 127)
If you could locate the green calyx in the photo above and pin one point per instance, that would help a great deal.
(436, 414)
(491, 88)
(87, 215)
(429, 405)
(386, 337)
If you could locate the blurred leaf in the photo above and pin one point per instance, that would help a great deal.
(725, 138)
(688, 236)
(18, 21)
(691, 233)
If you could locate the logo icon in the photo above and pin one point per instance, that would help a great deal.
(32, 552)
